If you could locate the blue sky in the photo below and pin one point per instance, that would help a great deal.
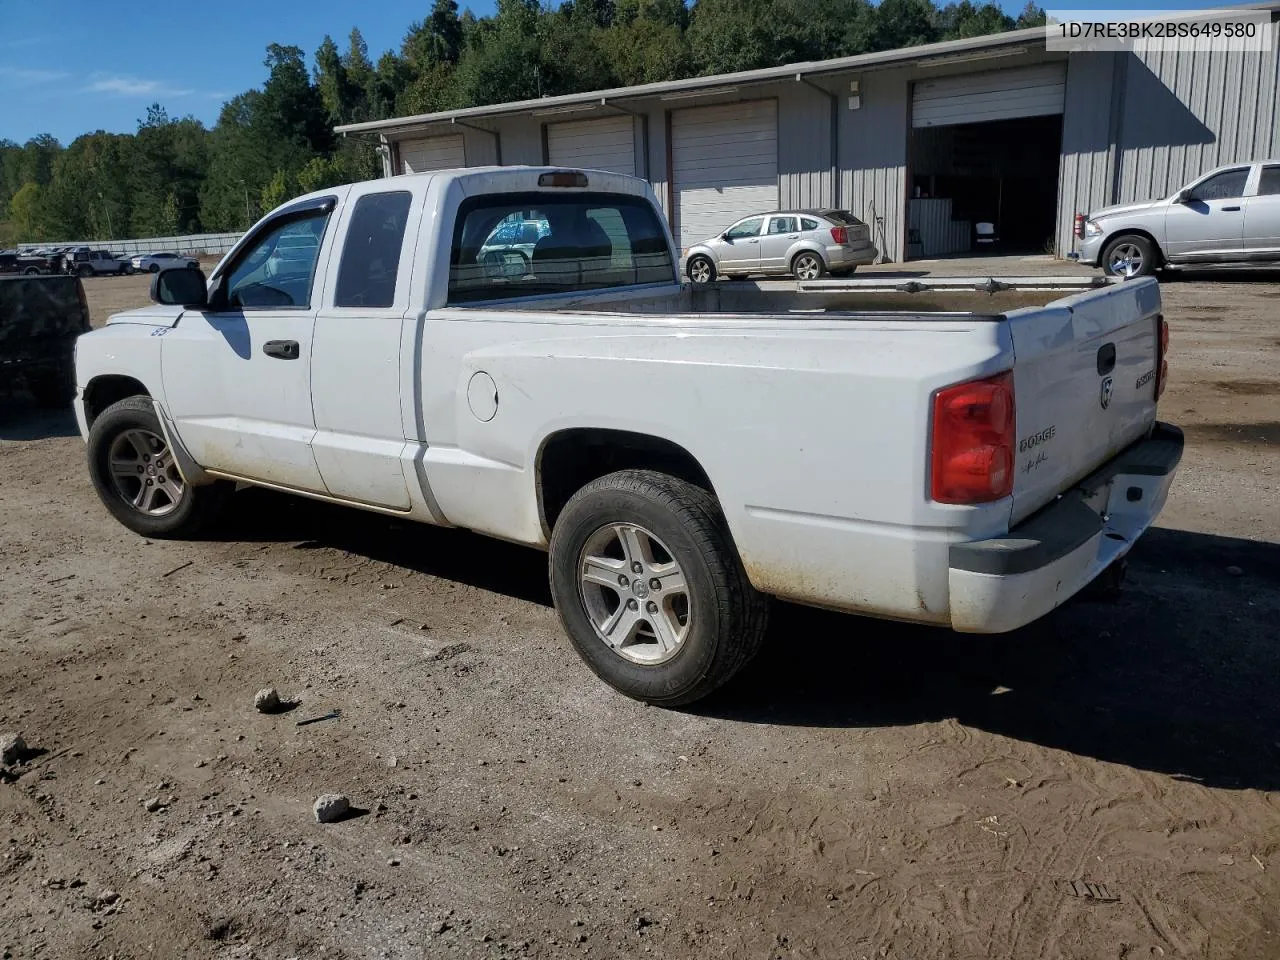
(67, 74)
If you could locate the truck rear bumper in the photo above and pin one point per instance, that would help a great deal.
(1001, 584)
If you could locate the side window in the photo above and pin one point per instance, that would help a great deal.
(1269, 183)
(371, 252)
(280, 267)
(1223, 186)
(745, 229)
(807, 224)
(782, 225)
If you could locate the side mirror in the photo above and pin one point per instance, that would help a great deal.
(180, 286)
(726, 238)
(1184, 196)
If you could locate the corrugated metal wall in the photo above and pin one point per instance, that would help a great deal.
(1143, 125)
(804, 147)
(1088, 160)
(873, 158)
(1185, 113)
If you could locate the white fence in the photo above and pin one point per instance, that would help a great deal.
(195, 243)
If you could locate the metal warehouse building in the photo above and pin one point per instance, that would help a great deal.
(922, 143)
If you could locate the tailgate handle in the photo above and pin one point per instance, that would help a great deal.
(1106, 359)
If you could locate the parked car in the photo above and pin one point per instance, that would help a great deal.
(40, 318)
(1229, 215)
(803, 243)
(84, 262)
(960, 455)
(155, 262)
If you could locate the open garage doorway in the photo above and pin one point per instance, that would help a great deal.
(1003, 173)
(983, 163)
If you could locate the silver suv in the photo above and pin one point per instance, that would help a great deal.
(1229, 215)
(803, 243)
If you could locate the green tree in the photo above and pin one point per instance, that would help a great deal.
(25, 209)
(1031, 16)
(903, 23)
(338, 94)
(277, 190)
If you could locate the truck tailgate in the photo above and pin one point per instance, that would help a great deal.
(1085, 372)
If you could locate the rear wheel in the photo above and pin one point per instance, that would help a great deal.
(1130, 256)
(650, 589)
(701, 269)
(807, 265)
(135, 474)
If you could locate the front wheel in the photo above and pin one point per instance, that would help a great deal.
(807, 265)
(154, 268)
(135, 475)
(701, 269)
(1130, 256)
(650, 589)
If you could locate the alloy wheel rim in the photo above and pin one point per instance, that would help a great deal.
(1126, 260)
(634, 593)
(806, 268)
(144, 474)
(701, 271)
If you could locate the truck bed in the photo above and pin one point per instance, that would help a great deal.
(959, 297)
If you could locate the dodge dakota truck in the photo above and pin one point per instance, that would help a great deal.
(960, 453)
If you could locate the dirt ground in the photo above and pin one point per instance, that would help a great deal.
(865, 790)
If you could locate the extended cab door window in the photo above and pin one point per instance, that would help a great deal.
(516, 245)
(279, 269)
(371, 251)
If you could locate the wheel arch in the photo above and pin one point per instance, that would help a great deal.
(1131, 232)
(569, 459)
(104, 390)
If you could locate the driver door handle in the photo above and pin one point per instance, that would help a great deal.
(281, 349)
(1230, 208)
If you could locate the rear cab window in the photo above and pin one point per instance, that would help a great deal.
(534, 244)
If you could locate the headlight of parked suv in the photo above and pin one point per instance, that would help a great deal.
(1091, 228)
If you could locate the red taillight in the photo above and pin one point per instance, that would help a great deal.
(1079, 226)
(840, 235)
(971, 460)
(1162, 355)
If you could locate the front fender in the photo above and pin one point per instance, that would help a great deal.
(119, 350)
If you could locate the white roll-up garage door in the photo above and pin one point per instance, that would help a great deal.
(432, 153)
(605, 144)
(724, 163)
(995, 95)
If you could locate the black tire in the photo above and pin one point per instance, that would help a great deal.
(31, 272)
(154, 268)
(1147, 251)
(196, 505)
(84, 271)
(705, 268)
(726, 615)
(799, 261)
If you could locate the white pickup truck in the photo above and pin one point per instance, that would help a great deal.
(946, 452)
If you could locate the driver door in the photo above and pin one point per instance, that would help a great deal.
(739, 251)
(237, 375)
(1209, 225)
